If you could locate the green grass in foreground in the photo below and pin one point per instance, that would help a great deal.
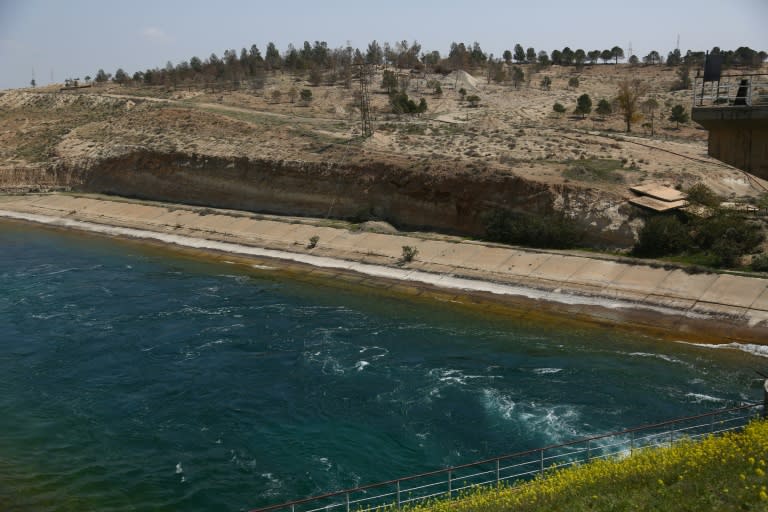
(716, 474)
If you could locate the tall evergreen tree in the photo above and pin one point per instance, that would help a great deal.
(519, 53)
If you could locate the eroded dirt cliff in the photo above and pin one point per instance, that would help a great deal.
(456, 203)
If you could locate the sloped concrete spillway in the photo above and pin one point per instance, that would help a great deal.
(709, 307)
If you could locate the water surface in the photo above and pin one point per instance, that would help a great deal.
(134, 380)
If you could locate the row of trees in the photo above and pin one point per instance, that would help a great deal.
(677, 114)
(333, 64)
(628, 103)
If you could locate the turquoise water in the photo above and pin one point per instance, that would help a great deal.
(133, 380)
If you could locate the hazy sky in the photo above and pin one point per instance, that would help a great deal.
(74, 38)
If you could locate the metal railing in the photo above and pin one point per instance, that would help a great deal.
(450, 482)
(731, 91)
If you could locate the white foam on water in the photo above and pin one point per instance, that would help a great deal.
(450, 376)
(327, 465)
(437, 280)
(750, 348)
(496, 402)
(698, 398)
(556, 423)
(546, 371)
(179, 469)
(663, 357)
(360, 365)
(274, 484)
(384, 352)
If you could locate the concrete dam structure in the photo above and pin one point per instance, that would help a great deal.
(734, 109)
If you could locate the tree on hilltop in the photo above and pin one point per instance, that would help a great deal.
(530, 55)
(593, 56)
(605, 56)
(272, 57)
(101, 76)
(374, 54)
(519, 53)
(507, 55)
(674, 58)
(196, 64)
(652, 58)
(121, 76)
(579, 56)
(617, 54)
(566, 56)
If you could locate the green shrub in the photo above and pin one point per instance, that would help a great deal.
(760, 263)
(604, 107)
(728, 236)
(558, 107)
(662, 236)
(402, 104)
(595, 169)
(719, 240)
(555, 231)
(408, 254)
(703, 195)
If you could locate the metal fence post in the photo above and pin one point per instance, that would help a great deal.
(398, 495)
(632, 444)
(450, 484)
(541, 460)
(589, 451)
(347, 502)
(498, 480)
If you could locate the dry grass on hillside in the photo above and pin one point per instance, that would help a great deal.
(512, 131)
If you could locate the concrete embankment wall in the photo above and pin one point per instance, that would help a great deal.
(706, 307)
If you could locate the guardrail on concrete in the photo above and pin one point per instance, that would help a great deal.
(521, 466)
(731, 91)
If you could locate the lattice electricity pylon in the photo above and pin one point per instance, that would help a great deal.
(365, 105)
